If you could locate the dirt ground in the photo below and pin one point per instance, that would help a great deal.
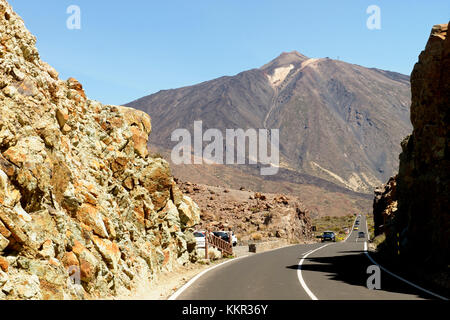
(168, 283)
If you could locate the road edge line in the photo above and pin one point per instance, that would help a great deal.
(400, 278)
(351, 231)
(177, 293)
(299, 273)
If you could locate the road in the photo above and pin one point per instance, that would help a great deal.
(330, 271)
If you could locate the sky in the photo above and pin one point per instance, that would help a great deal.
(125, 50)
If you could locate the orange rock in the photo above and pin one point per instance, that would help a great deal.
(4, 264)
(3, 230)
(140, 215)
(87, 270)
(15, 156)
(62, 116)
(116, 122)
(166, 257)
(86, 261)
(78, 247)
(109, 250)
(70, 259)
(91, 217)
(54, 262)
(140, 140)
(73, 83)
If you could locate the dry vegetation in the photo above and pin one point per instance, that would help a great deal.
(335, 224)
(370, 225)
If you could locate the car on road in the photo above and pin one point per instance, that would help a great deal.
(222, 235)
(355, 228)
(328, 236)
(361, 234)
(225, 235)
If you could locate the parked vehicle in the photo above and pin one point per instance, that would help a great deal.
(200, 238)
(234, 239)
(223, 235)
(328, 236)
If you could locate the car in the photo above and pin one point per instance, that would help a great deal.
(361, 234)
(234, 239)
(225, 235)
(357, 223)
(222, 235)
(328, 236)
(200, 238)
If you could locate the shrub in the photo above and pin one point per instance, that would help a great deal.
(256, 236)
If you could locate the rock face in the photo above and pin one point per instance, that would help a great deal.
(84, 211)
(252, 216)
(423, 184)
(385, 206)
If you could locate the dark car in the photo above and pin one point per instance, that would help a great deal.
(328, 236)
(361, 235)
(222, 235)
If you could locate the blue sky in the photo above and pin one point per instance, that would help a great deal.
(129, 49)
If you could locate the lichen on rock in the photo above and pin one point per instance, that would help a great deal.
(79, 193)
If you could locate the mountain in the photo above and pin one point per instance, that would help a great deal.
(340, 124)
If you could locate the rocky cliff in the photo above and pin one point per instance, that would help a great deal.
(253, 216)
(421, 224)
(385, 205)
(85, 212)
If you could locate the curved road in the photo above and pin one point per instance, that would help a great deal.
(331, 271)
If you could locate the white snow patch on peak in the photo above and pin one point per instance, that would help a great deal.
(279, 74)
(309, 62)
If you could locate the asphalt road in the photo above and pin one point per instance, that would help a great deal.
(330, 271)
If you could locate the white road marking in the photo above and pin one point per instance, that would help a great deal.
(402, 279)
(299, 273)
(353, 227)
(398, 277)
(367, 229)
(187, 285)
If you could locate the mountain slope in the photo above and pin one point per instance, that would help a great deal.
(338, 121)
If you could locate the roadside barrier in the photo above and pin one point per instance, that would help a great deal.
(218, 243)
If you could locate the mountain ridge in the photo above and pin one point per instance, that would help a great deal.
(338, 121)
